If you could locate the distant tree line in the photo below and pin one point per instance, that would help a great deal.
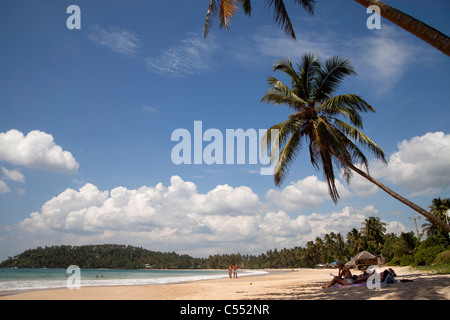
(404, 249)
(111, 256)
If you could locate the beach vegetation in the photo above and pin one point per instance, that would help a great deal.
(443, 258)
(441, 265)
(439, 208)
(373, 231)
(429, 249)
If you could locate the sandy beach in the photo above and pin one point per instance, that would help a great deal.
(300, 284)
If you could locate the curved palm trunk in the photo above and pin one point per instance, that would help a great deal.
(428, 34)
(410, 204)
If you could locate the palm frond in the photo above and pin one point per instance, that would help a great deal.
(321, 138)
(228, 9)
(328, 78)
(286, 157)
(348, 106)
(283, 131)
(360, 138)
(308, 5)
(285, 65)
(342, 145)
(308, 68)
(352, 100)
(346, 149)
(281, 17)
(247, 6)
(212, 12)
(279, 93)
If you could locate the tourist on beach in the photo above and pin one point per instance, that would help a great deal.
(235, 271)
(388, 276)
(230, 270)
(363, 277)
(344, 277)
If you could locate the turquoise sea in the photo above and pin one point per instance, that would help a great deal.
(35, 279)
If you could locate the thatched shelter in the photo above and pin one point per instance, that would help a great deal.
(363, 259)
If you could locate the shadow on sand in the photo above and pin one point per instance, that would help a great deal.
(417, 287)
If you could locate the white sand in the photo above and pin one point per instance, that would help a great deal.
(300, 284)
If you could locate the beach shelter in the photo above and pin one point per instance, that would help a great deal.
(363, 259)
(351, 263)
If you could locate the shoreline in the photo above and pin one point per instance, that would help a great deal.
(241, 273)
(300, 284)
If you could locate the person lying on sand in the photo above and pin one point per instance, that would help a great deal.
(385, 277)
(388, 276)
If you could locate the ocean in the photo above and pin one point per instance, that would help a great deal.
(12, 280)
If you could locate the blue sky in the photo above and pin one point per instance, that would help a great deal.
(86, 118)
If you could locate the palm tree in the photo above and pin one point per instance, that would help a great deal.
(354, 242)
(328, 246)
(373, 230)
(228, 8)
(316, 120)
(311, 254)
(439, 207)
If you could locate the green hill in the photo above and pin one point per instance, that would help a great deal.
(111, 256)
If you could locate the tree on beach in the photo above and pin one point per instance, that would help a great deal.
(226, 9)
(354, 242)
(373, 230)
(317, 120)
(440, 208)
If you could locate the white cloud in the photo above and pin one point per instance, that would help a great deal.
(118, 40)
(386, 58)
(13, 175)
(179, 206)
(421, 164)
(381, 58)
(35, 150)
(360, 185)
(395, 227)
(229, 201)
(225, 219)
(190, 56)
(339, 222)
(178, 217)
(4, 187)
(149, 109)
(272, 42)
(280, 224)
(166, 217)
(306, 193)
